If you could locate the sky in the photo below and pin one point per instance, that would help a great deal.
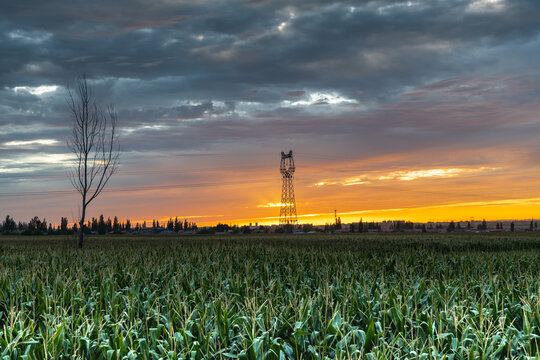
(416, 110)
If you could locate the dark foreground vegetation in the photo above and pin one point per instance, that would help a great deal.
(396, 296)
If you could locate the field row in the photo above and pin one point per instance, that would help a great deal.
(271, 297)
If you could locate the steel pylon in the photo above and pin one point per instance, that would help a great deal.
(287, 213)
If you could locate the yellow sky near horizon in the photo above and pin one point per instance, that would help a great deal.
(418, 195)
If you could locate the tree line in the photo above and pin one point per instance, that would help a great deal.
(100, 226)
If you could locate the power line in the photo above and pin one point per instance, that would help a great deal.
(128, 173)
(139, 188)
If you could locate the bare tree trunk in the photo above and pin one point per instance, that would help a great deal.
(81, 227)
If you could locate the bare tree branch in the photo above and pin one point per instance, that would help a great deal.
(94, 142)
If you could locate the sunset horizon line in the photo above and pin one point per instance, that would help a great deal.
(348, 217)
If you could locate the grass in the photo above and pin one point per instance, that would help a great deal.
(395, 296)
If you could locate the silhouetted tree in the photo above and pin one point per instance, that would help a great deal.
(9, 224)
(116, 225)
(34, 224)
(94, 142)
(512, 226)
(101, 226)
(451, 226)
(63, 224)
(483, 226)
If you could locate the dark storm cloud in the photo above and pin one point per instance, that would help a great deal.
(196, 75)
(226, 48)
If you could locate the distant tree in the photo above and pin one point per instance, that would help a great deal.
(170, 225)
(221, 227)
(63, 224)
(94, 142)
(128, 225)
(338, 224)
(451, 226)
(177, 225)
(75, 227)
(351, 227)
(34, 224)
(9, 224)
(424, 228)
(512, 226)
(108, 225)
(101, 226)
(115, 225)
(531, 226)
(483, 226)
(468, 225)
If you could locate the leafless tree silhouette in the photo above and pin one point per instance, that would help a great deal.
(94, 142)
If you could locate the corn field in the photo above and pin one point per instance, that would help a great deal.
(396, 296)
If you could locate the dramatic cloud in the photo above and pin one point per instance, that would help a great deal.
(366, 93)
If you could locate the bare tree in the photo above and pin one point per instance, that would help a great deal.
(94, 142)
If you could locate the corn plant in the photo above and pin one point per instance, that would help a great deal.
(396, 296)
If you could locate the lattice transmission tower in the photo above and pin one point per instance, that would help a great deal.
(287, 213)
